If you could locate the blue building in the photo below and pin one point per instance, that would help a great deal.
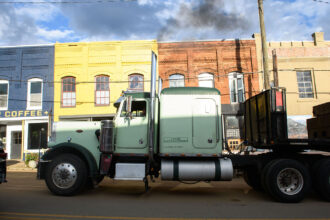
(26, 97)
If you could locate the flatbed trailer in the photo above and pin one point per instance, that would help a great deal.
(304, 161)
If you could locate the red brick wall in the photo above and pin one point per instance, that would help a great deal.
(217, 57)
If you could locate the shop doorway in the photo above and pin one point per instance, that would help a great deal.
(16, 145)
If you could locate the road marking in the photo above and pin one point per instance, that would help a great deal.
(30, 216)
(26, 218)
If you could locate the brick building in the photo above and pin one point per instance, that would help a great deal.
(228, 65)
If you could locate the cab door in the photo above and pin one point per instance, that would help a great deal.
(132, 130)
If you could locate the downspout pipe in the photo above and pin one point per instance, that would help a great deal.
(152, 106)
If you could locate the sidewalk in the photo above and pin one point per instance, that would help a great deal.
(18, 166)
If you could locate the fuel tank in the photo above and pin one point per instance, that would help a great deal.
(195, 170)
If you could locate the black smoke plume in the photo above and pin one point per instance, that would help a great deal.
(209, 14)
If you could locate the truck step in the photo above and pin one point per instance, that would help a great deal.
(130, 171)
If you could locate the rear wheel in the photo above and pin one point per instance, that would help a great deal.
(66, 175)
(322, 179)
(253, 178)
(287, 180)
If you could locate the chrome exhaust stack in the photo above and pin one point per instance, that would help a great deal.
(152, 106)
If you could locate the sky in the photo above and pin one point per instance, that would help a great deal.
(164, 20)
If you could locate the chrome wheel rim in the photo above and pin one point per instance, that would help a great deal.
(290, 181)
(64, 175)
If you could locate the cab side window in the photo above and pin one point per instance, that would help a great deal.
(138, 109)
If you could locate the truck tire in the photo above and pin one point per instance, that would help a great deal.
(322, 179)
(287, 180)
(263, 175)
(66, 175)
(252, 177)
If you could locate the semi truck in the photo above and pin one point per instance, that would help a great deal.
(177, 135)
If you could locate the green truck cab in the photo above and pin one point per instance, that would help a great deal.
(186, 142)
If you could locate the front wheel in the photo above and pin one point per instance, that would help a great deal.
(287, 180)
(66, 175)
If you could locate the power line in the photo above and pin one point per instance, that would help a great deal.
(65, 2)
(167, 79)
(112, 102)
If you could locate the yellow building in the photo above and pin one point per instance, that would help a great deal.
(304, 70)
(90, 77)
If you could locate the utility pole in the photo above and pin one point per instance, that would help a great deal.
(264, 44)
(275, 70)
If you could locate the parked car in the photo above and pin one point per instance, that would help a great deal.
(3, 167)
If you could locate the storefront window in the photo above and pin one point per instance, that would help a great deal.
(34, 132)
(3, 134)
(234, 126)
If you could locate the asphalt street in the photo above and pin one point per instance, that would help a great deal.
(25, 197)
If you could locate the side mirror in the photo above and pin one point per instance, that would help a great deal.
(129, 106)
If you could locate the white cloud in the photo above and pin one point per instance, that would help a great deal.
(54, 35)
(144, 19)
(37, 12)
(20, 25)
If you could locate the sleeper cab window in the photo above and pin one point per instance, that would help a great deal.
(68, 92)
(4, 94)
(34, 97)
(102, 91)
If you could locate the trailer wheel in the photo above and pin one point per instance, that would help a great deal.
(322, 179)
(252, 177)
(66, 175)
(287, 180)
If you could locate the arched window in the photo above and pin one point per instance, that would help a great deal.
(206, 80)
(236, 86)
(4, 94)
(68, 91)
(34, 97)
(102, 91)
(136, 82)
(176, 80)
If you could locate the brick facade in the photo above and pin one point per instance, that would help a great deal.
(216, 57)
